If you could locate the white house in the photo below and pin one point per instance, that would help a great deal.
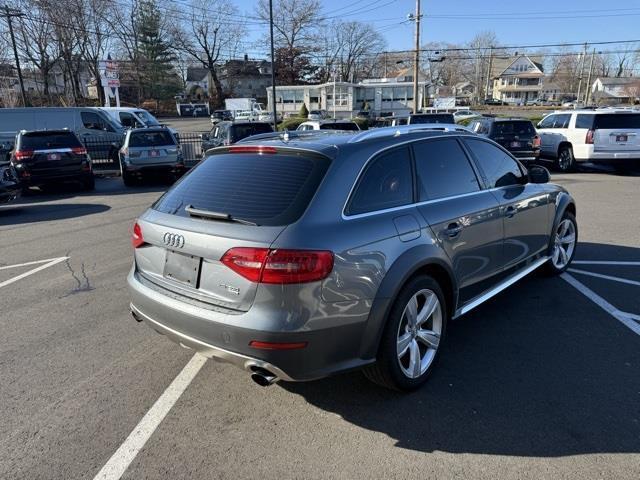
(521, 80)
(616, 90)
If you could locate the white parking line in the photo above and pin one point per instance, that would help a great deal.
(623, 317)
(50, 262)
(605, 277)
(126, 453)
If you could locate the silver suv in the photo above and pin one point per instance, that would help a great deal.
(298, 256)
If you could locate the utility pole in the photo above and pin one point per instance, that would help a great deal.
(8, 14)
(584, 54)
(416, 60)
(273, 70)
(486, 89)
(588, 94)
(477, 82)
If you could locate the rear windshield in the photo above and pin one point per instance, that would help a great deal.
(339, 126)
(243, 131)
(151, 139)
(45, 140)
(265, 189)
(618, 120)
(513, 128)
(433, 118)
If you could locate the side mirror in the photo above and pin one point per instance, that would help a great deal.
(538, 174)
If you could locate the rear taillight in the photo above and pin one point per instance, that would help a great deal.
(79, 150)
(589, 138)
(279, 266)
(536, 141)
(137, 239)
(23, 154)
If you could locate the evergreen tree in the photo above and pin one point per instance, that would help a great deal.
(156, 57)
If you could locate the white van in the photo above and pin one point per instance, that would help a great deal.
(130, 117)
(89, 123)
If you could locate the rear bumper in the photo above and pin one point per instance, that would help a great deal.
(217, 334)
(173, 167)
(527, 156)
(36, 178)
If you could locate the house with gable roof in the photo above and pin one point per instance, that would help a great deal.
(518, 79)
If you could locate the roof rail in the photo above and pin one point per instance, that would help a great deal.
(406, 129)
(287, 135)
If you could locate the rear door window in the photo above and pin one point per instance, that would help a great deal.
(584, 120)
(269, 189)
(386, 183)
(443, 170)
(617, 120)
(262, 128)
(151, 139)
(499, 168)
(48, 140)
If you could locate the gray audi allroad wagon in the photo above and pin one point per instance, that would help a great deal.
(298, 256)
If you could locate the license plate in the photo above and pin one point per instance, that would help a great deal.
(53, 156)
(621, 138)
(182, 268)
(155, 153)
(515, 144)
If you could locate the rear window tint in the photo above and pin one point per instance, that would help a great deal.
(265, 189)
(150, 139)
(239, 132)
(433, 118)
(513, 128)
(339, 126)
(617, 120)
(42, 140)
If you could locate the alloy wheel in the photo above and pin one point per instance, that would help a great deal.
(564, 160)
(564, 244)
(419, 333)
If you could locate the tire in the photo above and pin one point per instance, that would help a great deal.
(556, 268)
(566, 161)
(89, 184)
(393, 370)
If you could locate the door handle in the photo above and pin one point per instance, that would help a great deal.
(453, 229)
(510, 211)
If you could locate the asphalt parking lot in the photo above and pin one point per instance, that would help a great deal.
(543, 381)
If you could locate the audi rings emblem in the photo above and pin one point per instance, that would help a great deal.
(173, 240)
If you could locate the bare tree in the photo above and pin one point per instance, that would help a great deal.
(355, 43)
(296, 24)
(209, 34)
(95, 37)
(632, 90)
(34, 36)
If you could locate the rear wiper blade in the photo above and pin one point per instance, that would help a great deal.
(196, 212)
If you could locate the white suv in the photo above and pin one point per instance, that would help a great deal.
(605, 135)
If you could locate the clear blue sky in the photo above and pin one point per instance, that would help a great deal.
(515, 23)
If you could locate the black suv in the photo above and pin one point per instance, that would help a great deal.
(227, 133)
(431, 118)
(44, 157)
(518, 135)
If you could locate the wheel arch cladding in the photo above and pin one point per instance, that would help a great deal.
(420, 260)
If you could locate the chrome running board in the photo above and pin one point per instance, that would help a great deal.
(500, 287)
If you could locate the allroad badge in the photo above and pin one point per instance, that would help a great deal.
(173, 240)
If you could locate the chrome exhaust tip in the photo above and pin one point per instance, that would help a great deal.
(263, 377)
